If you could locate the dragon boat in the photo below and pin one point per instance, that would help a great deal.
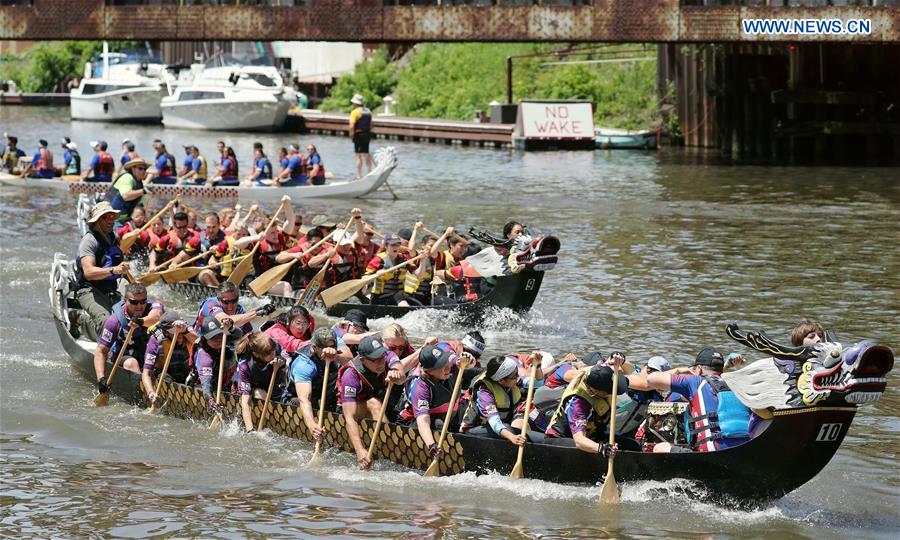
(385, 161)
(806, 397)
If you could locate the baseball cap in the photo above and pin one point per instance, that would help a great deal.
(321, 337)
(341, 238)
(357, 318)
(435, 356)
(101, 209)
(391, 239)
(372, 348)
(594, 358)
(212, 328)
(167, 320)
(658, 363)
(94, 144)
(42, 143)
(126, 140)
(601, 378)
(405, 234)
(710, 357)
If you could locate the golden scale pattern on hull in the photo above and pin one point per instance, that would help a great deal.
(398, 444)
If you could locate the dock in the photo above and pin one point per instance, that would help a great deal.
(34, 98)
(404, 128)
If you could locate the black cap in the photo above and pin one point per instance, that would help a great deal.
(594, 358)
(601, 378)
(212, 328)
(357, 318)
(13, 139)
(435, 356)
(371, 347)
(405, 234)
(167, 320)
(712, 358)
(43, 143)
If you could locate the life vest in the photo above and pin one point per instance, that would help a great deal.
(139, 337)
(106, 165)
(107, 256)
(260, 377)
(226, 259)
(364, 123)
(231, 170)
(391, 282)
(118, 202)
(374, 382)
(180, 357)
(203, 312)
(505, 399)
(215, 355)
(440, 397)
(201, 170)
(265, 256)
(74, 166)
(321, 164)
(577, 387)
(731, 419)
(169, 168)
(419, 286)
(316, 393)
(343, 268)
(299, 173)
(44, 163)
(467, 281)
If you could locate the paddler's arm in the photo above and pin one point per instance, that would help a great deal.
(318, 261)
(92, 272)
(398, 371)
(304, 393)
(349, 410)
(436, 248)
(246, 412)
(424, 424)
(584, 444)
(415, 233)
(288, 214)
(100, 353)
(360, 227)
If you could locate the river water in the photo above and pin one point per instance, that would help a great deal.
(659, 252)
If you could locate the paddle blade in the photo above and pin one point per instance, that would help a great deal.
(180, 274)
(434, 469)
(216, 422)
(128, 240)
(268, 279)
(102, 400)
(342, 291)
(240, 271)
(149, 278)
(609, 493)
(517, 472)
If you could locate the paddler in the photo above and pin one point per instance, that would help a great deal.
(471, 345)
(361, 388)
(307, 372)
(102, 166)
(198, 170)
(205, 359)
(127, 190)
(259, 359)
(271, 244)
(292, 329)
(71, 159)
(294, 173)
(262, 168)
(387, 288)
(234, 245)
(41, 165)
(181, 243)
(224, 306)
(352, 328)
(187, 163)
(583, 412)
(12, 154)
(158, 346)
(212, 236)
(136, 310)
(97, 269)
(164, 169)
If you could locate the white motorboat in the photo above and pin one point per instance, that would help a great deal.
(124, 88)
(231, 97)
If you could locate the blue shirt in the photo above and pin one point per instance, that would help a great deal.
(284, 162)
(702, 401)
(125, 158)
(67, 157)
(100, 177)
(296, 167)
(263, 169)
(161, 162)
(188, 162)
(316, 160)
(304, 370)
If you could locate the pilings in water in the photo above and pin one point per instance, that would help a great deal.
(795, 102)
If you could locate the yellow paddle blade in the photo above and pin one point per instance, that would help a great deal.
(181, 274)
(241, 270)
(434, 469)
(517, 472)
(609, 493)
(128, 240)
(215, 422)
(149, 278)
(342, 291)
(102, 400)
(268, 279)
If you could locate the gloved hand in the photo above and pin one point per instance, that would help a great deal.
(265, 310)
(213, 406)
(102, 387)
(137, 321)
(434, 450)
(608, 450)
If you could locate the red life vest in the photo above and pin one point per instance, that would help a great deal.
(231, 171)
(471, 279)
(106, 165)
(45, 162)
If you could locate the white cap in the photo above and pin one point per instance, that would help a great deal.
(94, 144)
(341, 238)
(659, 363)
(72, 146)
(126, 140)
(546, 360)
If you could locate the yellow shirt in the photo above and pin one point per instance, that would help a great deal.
(355, 115)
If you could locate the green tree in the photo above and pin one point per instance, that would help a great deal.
(43, 67)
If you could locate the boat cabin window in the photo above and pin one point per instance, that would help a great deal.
(193, 95)
(262, 80)
(90, 89)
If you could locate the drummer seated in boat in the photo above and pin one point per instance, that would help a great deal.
(496, 404)
(205, 359)
(582, 416)
(426, 397)
(135, 310)
(225, 306)
(387, 289)
(259, 359)
(161, 335)
(307, 372)
(702, 386)
(361, 387)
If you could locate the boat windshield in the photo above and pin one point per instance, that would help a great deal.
(232, 59)
(131, 56)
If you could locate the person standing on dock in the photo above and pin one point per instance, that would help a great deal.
(361, 133)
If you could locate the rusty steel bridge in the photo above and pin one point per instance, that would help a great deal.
(658, 21)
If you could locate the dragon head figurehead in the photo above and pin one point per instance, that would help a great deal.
(825, 373)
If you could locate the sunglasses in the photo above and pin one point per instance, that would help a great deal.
(229, 302)
(370, 234)
(137, 301)
(181, 228)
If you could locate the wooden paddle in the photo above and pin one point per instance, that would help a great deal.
(240, 271)
(308, 298)
(130, 238)
(218, 418)
(165, 369)
(342, 291)
(265, 407)
(434, 469)
(321, 419)
(609, 493)
(182, 274)
(149, 278)
(384, 404)
(517, 471)
(272, 276)
(102, 400)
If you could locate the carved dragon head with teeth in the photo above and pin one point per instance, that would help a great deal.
(825, 373)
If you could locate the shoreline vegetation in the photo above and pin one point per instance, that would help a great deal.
(454, 80)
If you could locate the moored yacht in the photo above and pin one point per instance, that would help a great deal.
(230, 97)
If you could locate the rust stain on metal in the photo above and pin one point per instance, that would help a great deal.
(369, 20)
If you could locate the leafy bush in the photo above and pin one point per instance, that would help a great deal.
(44, 67)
